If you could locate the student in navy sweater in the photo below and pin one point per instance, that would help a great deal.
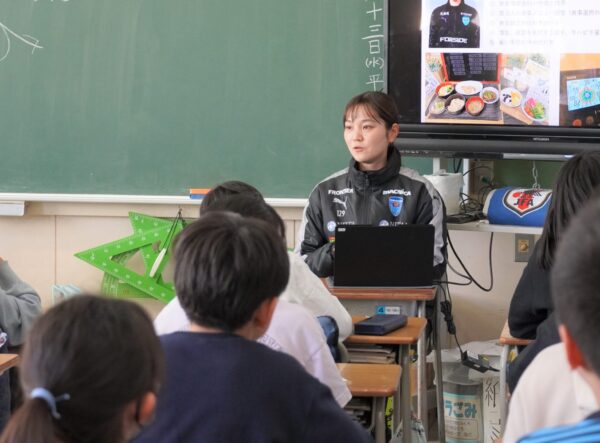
(221, 385)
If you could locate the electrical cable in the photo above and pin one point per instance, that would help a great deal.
(455, 166)
(480, 364)
(475, 282)
(466, 277)
(446, 310)
(477, 167)
(469, 204)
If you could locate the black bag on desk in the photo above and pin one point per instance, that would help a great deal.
(380, 324)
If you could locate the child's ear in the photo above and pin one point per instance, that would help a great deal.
(139, 413)
(146, 408)
(574, 355)
(264, 313)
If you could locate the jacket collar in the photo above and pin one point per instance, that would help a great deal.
(362, 180)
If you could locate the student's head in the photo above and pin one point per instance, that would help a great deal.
(574, 185)
(249, 206)
(575, 284)
(229, 271)
(226, 190)
(101, 353)
(370, 126)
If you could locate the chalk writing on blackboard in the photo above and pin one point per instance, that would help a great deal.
(27, 39)
(374, 38)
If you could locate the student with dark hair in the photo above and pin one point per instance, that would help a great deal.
(303, 289)
(228, 189)
(293, 329)
(248, 206)
(373, 190)
(531, 310)
(575, 283)
(221, 385)
(91, 367)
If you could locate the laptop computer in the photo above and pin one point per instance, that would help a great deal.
(383, 256)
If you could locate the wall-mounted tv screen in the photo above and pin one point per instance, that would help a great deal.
(495, 76)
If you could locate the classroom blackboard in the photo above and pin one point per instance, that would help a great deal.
(152, 97)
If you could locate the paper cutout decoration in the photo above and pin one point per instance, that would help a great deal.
(151, 236)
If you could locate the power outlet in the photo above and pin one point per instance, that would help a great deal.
(523, 247)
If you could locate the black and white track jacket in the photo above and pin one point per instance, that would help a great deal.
(454, 27)
(391, 196)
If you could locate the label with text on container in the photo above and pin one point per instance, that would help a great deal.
(389, 310)
(462, 417)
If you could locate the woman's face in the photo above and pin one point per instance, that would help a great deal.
(368, 139)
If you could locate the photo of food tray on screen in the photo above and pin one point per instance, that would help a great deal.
(486, 88)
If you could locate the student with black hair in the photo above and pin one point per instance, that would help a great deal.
(575, 284)
(303, 288)
(221, 385)
(229, 189)
(375, 189)
(91, 367)
(531, 309)
(293, 329)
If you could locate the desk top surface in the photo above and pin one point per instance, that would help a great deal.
(370, 380)
(8, 361)
(406, 335)
(507, 339)
(405, 294)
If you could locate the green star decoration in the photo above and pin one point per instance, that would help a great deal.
(150, 236)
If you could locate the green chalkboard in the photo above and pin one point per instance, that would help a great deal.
(152, 97)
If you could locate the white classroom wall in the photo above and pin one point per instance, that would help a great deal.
(41, 244)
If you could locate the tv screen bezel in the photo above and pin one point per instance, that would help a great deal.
(484, 141)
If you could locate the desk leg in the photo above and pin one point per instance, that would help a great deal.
(405, 394)
(503, 403)
(379, 413)
(437, 334)
(421, 365)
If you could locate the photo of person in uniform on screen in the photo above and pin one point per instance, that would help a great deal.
(454, 25)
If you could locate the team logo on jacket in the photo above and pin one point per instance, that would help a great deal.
(395, 204)
(331, 226)
(466, 20)
(524, 201)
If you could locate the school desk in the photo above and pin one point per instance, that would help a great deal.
(7, 361)
(403, 338)
(421, 296)
(375, 381)
(507, 342)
